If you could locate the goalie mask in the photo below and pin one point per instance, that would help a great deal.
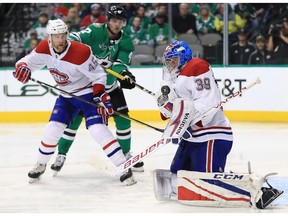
(175, 56)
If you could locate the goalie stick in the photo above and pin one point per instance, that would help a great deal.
(123, 78)
(162, 142)
(96, 105)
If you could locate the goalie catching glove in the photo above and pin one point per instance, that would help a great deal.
(22, 73)
(164, 98)
(129, 81)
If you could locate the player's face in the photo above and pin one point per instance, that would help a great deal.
(172, 64)
(59, 41)
(260, 45)
(116, 25)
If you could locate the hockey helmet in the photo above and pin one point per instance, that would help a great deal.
(116, 12)
(56, 27)
(175, 56)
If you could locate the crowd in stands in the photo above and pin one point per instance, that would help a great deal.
(258, 32)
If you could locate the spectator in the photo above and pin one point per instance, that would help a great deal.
(205, 21)
(60, 11)
(129, 9)
(73, 18)
(70, 26)
(260, 56)
(137, 33)
(241, 50)
(152, 10)
(145, 21)
(248, 13)
(33, 35)
(245, 10)
(33, 43)
(195, 9)
(96, 16)
(261, 9)
(184, 23)
(82, 11)
(272, 15)
(40, 26)
(235, 22)
(278, 42)
(162, 9)
(158, 32)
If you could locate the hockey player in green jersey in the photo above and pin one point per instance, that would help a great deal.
(113, 49)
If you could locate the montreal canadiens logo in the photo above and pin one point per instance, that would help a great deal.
(60, 78)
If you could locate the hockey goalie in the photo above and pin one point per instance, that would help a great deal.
(197, 173)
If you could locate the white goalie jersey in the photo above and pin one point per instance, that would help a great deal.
(196, 82)
(75, 70)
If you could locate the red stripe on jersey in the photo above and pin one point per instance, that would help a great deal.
(43, 47)
(78, 53)
(209, 156)
(195, 67)
(109, 144)
(209, 128)
(48, 146)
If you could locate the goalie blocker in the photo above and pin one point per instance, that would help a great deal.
(214, 189)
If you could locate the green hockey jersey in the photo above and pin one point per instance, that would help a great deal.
(113, 54)
(138, 37)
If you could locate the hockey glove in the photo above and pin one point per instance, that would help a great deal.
(129, 82)
(106, 108)
(22, 73)
(164, 98)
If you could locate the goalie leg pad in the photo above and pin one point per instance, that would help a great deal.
(165, 185)
(218, 189)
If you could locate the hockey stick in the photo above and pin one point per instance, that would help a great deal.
(150, 149)
(94, 104)
(123, 78)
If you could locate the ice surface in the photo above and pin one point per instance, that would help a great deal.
(85, 186)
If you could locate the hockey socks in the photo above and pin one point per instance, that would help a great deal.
(123, 133)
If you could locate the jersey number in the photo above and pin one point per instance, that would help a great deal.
(87, 30)
(202, 84)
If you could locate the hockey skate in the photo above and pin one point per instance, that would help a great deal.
(138, 167)
(36, 172)
(127, 178)
(269, 195)
(58, 164)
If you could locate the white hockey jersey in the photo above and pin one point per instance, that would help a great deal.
(75, 70)
(196, 82)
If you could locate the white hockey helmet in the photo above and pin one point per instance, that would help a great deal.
(56, 27)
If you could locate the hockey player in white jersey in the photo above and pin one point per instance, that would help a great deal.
(197, 173)
(75, 70)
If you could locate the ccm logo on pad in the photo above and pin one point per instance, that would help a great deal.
(228, 176)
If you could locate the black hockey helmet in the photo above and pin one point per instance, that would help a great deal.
(117, 12)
